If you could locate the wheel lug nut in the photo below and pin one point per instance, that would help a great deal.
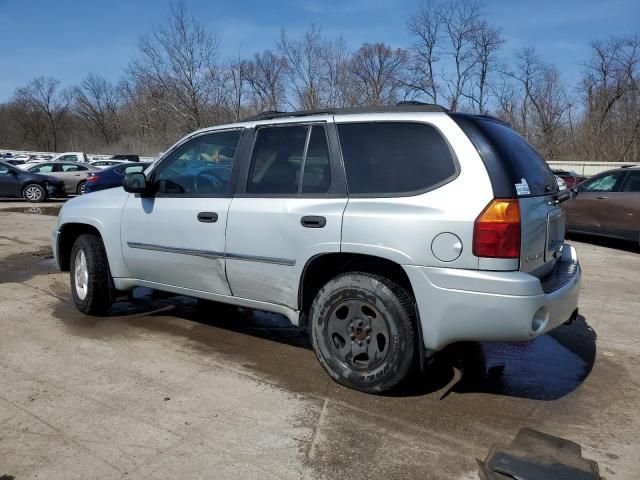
(368, 339)
(351, 336)
(367, 329)
(360, 323)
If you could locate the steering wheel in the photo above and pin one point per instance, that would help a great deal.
(208, 182)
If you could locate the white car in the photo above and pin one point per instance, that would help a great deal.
(388, 232)
(106, 163)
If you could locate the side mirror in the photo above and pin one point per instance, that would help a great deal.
(136, 182)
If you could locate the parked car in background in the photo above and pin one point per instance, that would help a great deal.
(460, 237)
(73, 174)
(33, 187)
(71, 157)
(106, 163)
(562, 185)
(111, 177)
(607, 204)
(570, 177)
(127, 157)
(13, 161)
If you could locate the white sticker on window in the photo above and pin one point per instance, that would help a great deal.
(522, 188)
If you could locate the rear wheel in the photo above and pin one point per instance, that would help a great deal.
(81, 188)
(91, 283)
(363, 331)
(34, 193)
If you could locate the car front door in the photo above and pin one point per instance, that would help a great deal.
(9, 183)
(591, 207)
(288, 208)
(177, 236)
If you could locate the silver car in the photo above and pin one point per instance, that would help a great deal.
(389, 232)
(73, 174)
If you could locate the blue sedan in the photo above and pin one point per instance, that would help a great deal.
(111, 177)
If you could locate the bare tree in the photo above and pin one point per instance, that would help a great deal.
(611, 99)
(313, 68)
(98, 103)
(487, 40)
(426, 26)
(376, 74)
(44, 106)
(179, 60)
(460, 23)
(265, 77)
(545, 106)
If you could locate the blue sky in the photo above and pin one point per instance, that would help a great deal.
(67, 39)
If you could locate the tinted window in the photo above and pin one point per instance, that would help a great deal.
(605, 183)
(389, 158)
(316, 175)
(4, 170)
(202, 166)
(632, 182)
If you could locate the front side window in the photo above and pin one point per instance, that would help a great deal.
(606, 183)
(46, 168)
(394, 157)
(290, 160)
(202, 166)
(4, 170)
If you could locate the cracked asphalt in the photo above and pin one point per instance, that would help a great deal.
(166, 387)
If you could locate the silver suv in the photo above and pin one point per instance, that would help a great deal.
(389, 232)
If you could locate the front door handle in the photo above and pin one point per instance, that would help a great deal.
(313, 221)
(602, 198)
(208, 217)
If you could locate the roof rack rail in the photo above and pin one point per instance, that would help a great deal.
(398, 108)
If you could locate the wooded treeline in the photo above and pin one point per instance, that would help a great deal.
(178, 82)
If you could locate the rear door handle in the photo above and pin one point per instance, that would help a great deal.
(602, 198)
(313, 221)
(208, 217)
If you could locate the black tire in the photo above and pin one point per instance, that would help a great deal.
(99, 292)
(370, 301)
(34, 193)
(80, 188)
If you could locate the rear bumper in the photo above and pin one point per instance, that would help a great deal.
(456, 304)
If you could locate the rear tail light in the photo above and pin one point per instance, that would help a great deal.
(92, 178)
(496, 233)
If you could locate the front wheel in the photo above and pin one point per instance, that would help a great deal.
(34, 193)
(91, 284)
(363, 331)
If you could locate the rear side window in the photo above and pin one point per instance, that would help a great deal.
(632, 182)
(394, 157)
(290, 160)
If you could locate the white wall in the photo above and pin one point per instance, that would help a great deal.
(588, 168)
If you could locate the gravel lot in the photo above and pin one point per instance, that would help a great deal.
(165, 389)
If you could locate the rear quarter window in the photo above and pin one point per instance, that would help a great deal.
(394, 158)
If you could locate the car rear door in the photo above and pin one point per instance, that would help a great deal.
(177, 236)
(71, 174)
(288, 208)
(590, 209)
